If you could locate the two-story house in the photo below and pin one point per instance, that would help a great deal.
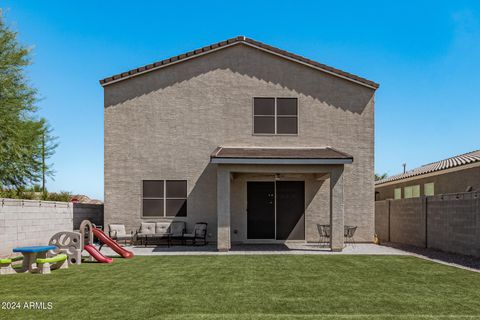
(260, 143)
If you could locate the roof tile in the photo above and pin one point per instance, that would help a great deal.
(460, 160)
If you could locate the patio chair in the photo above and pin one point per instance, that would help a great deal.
(199, 233)
(147, 229)
(324, 233)
(117, 232)
(349, 232)
(177, 230)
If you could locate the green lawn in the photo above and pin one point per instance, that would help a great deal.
(250, 287)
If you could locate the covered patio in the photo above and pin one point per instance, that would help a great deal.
(313, 190)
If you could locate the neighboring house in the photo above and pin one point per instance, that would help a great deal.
(80, 198)
(457, 174)
(260, 143)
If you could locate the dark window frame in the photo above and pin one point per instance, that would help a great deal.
(164, 198)
(275, 116)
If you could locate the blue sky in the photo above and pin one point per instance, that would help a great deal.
(425, 55)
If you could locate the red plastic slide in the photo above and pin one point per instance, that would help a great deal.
(97, 254)
(111, 243)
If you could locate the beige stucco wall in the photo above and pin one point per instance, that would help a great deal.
(165, 124)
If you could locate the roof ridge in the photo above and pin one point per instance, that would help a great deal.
(233, 41)
(454, 157)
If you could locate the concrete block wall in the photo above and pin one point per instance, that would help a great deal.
(454, 223)
(449, 222)
(407, 221)
(85, 211)
(31, 222)
(382, 220)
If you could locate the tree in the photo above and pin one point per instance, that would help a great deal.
(49, 144)
(22, 134)
(380, 176)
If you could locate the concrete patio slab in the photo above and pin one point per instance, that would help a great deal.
(251, 249)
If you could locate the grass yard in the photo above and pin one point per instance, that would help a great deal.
(249, 287)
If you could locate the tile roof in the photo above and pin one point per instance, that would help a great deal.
(280, 153)
(228, 43)
(452, 162)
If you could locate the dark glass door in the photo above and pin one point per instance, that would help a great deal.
(260, 210)
(290, 210)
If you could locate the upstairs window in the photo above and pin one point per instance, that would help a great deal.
(429, 189)
(272, 116)
(164, 198)
(411, 191)
(416, 191)
(397, 194)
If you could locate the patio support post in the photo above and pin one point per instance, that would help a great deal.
(336, 209)
(223, 209)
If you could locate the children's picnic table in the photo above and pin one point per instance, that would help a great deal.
(30, 255)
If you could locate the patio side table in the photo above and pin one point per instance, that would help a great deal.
(156, 238)
(30, 255)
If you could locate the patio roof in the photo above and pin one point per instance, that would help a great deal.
(319, 155)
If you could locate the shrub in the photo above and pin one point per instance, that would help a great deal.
(59, 196)
(9, 193)
(31, 194)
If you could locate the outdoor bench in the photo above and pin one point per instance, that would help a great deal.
(58, 261)
(6, 265)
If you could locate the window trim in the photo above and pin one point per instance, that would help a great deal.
(275, 116)
(164, 198)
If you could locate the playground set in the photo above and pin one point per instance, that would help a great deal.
(88, 231)
(65, 248)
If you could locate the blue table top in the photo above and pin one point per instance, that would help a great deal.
(34, 249)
